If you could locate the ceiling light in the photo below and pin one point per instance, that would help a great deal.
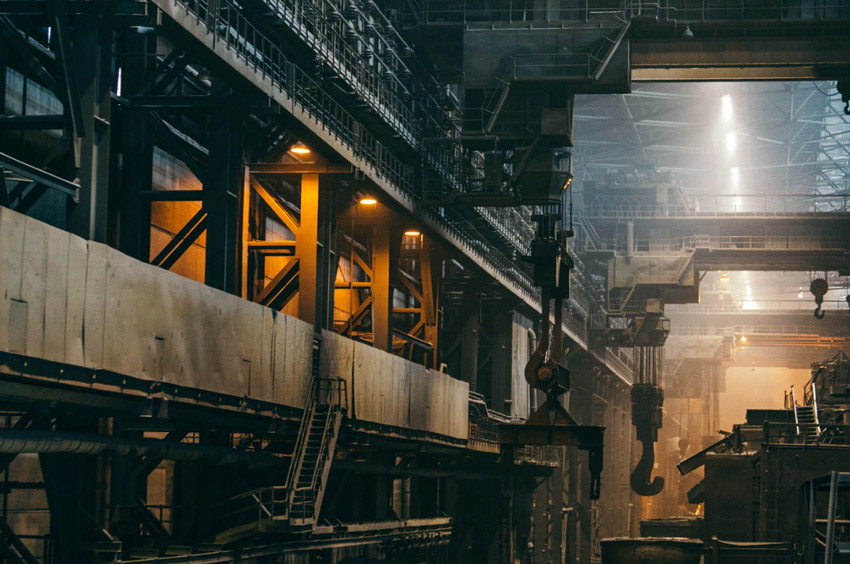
(743, 338)
(368, 201)
(688, 32)
(725, 277)
(412, 233)
(300, 149)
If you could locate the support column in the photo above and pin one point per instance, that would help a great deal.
(221, 199)
(307, 248)
(386, 244)
(501, 372)
(469, 337)
(92, 53)
(136, 157)
(429, 258)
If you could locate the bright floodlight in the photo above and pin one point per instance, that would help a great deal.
(736, 174)
(731, 141)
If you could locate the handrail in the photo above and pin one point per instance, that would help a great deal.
(303, 431)
(815, 407)
(794, 405)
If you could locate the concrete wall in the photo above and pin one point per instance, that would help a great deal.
(72, 301)
(384, 388)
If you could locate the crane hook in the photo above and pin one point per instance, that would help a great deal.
(819, 288)
(641, 480)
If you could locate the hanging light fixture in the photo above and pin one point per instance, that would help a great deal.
(300, 149)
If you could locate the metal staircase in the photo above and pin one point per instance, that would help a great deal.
(295, 507)
(806, 419)
(314, 453)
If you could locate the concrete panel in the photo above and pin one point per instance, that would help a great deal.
(11, 257)
(95, 304)
(336, 360)
(361, 390)
(33, 284)
(247, 344)
(55, 295)
(278, 374)
(262, 379)
(363, 371)
(418, 400)
(75, 300)
(299, 361)
(134, 318)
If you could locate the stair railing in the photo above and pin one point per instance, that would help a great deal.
(815, 407)
(300, 443)
(325, 392)
(794, 404)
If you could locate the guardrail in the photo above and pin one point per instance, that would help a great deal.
(757, 306)
(464, 12)
(731, 205)
(685, 245)
(758, 330)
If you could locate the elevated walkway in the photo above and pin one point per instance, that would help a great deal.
(825, 251)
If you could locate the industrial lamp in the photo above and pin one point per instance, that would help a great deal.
(368, 201)
(412, 233)
(725, 277)
(300, 149)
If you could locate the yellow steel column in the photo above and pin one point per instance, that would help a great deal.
(306, 247)
(383, 265)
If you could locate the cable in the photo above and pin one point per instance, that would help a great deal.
(822, 92)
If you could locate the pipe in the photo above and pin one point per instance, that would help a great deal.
(41, 442)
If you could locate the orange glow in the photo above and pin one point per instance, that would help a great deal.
(300, 149)
(368, 201)
(412, 233)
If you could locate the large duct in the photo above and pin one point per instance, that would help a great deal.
(38, 442)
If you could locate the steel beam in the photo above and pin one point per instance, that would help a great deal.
(753, 58)
(307, 248)
(30, 122)
(89, 64)
(221, 199)
(386, 244)
(38, 175)
(181, 242)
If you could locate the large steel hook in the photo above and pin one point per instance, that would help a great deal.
(641, 480)
(647, 402)
(819, 287)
